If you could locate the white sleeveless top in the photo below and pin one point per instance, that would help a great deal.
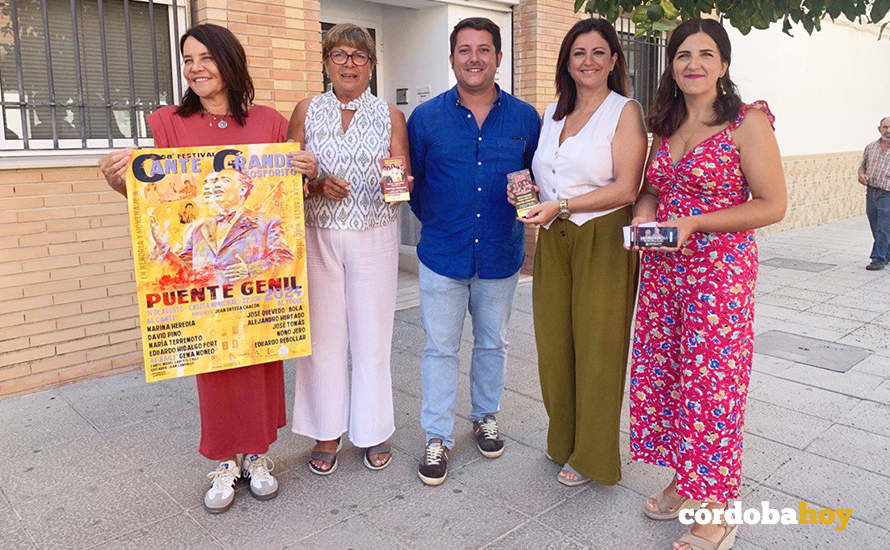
(583, 162)
(353, 155)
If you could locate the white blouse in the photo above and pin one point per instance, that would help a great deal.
(353, 155)
(583, 162)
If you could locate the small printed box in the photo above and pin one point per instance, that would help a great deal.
(523, 188)
(394, 178)
(649, 235)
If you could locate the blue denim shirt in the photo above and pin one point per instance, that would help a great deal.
(460, 184)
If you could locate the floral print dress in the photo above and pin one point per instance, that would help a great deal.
(693, 335)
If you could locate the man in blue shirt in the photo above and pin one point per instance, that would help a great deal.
(463, 143)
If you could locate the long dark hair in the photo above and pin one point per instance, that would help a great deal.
(619, 80)
(669, 108)
(231, 61)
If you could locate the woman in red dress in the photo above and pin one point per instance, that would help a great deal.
(241, 409)
(693, 336)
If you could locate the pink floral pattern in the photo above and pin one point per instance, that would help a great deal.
(693, 335)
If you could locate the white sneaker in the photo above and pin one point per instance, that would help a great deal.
(221, 494)
(258, 468)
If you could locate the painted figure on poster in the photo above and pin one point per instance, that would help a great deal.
(230, 242)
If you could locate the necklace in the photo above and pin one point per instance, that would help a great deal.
(217, 119)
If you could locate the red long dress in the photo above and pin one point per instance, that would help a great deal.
(694, 338)
(241, 409)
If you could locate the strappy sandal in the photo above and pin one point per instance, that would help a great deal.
(329, 458)
(698, 543)
(383, 448)
(570, 482)
(667, 507)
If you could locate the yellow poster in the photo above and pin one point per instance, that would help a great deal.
(219, 247)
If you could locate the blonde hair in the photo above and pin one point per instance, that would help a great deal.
(347, 34)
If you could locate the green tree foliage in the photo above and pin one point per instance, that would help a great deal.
(655, 16)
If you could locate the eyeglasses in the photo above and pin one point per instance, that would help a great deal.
(359, 58)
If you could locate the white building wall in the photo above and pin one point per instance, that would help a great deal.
(416, 53)
(828, 90)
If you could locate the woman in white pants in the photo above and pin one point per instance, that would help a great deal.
(352, 257)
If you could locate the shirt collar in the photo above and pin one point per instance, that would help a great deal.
(354, 105)
(454, 97)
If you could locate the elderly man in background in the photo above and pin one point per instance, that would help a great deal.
(874, 173)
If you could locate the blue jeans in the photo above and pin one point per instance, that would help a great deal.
(443, 305)
(877, 208)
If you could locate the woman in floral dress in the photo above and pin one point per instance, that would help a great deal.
(693, 339)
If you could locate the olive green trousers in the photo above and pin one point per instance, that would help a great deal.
(584, 288)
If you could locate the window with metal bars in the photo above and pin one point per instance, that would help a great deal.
(82, 74)
(645, 61)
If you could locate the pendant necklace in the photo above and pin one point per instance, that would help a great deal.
(220, 122)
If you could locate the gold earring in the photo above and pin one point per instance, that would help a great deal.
(722, 89)
(675, 87)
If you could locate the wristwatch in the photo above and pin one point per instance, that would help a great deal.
(564, 211)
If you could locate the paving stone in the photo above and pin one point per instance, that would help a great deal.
(523, 322)
(763, 457)
(172, 433)
(307, 503)
(804, 293)
(809, 351)
(870, 417)
(881, 393)
(844, 312)
(786, 302)
(534, 535)
(797, 264)
(171, 533)
(522, 377)
(355, 533)
(520, 416)
(864, 301)
(767, 364)
(858, 534)
(806, 399)
(33, 475)
(850, 383)
(124, 406)
(409, 337)
(878, 365)
(96, 509)
(451, 516)
(795, 429)
(834, 484)
(762, 309)
(34, 403)
(867, 450)
(522, 477)
(36, 430)
(590, 518)
(870, 336)
(15, 539)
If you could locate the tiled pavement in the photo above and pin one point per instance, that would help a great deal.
(112, 463)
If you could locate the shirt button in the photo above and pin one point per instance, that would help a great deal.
(479, 163)
(554, 170)
(480, 138)
(479, 189)
(478, 215)
(469, 116)
(476, 240)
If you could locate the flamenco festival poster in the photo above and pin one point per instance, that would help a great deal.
(219, 248)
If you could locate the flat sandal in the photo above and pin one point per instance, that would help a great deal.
(330, 458)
